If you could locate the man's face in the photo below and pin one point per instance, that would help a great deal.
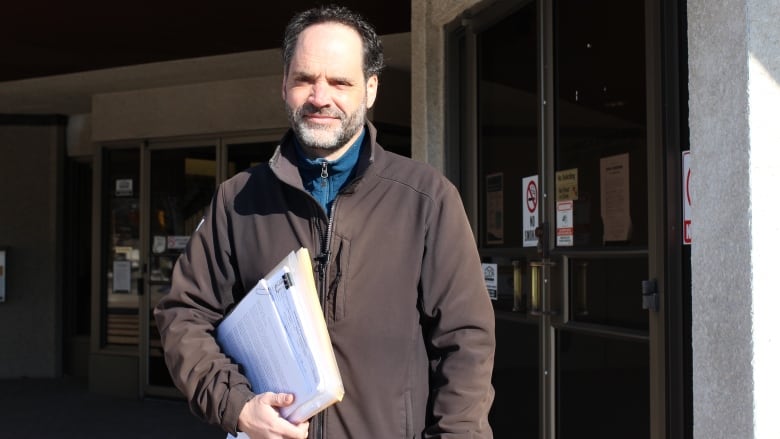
(325, 93)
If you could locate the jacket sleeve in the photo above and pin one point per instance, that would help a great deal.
(201, 291)
(461, 325)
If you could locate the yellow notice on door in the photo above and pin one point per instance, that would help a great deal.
(566, 186)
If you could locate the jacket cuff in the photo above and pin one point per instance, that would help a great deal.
(238, 397)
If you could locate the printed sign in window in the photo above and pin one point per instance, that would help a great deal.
(530, 210)
(616, 198)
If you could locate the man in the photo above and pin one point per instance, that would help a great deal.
(397, 268)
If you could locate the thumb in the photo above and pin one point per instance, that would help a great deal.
(278, 399)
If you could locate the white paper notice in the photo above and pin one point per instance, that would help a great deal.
(615, 198)
(490, 272)
(159, 244)
(530, 210)
(121, 276)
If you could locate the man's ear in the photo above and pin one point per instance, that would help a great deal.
(371, 89)
(284, 87)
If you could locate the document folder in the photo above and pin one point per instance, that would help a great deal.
(277, 334)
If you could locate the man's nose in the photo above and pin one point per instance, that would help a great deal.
(319, 96)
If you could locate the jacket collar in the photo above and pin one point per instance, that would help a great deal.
(284, 162)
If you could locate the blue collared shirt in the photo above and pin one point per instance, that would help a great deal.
(324, 179)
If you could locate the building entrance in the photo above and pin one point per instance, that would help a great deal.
(558, 164)
(155, 194)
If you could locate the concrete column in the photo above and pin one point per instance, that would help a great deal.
(429, 17)
(734, 65)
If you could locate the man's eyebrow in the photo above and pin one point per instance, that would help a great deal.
(341, 79)
(300, 75)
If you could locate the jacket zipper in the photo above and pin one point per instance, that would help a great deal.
(323, 260)
(324, 174)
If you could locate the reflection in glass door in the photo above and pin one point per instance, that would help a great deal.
(153, 197)
(243, 153)
(182, 179)
(121, 248)
(181, 184)
(559, 112)
(598, 238)
(508, 143)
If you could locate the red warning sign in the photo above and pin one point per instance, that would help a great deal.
(687, 199)
(531, 196)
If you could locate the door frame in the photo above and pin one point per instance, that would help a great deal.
(145, 306)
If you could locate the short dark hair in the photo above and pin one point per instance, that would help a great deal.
(373, 57)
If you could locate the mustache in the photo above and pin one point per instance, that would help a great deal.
(308, 109)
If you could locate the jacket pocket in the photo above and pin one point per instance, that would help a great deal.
(339, 280)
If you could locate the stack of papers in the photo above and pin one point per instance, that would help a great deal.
(277, 334)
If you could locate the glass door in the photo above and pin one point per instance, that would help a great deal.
(182, 179)
(566, 209)
(181, 182)
(507, 136)
(121, 271)
(245, 152)
(598, 214)
(153, 195)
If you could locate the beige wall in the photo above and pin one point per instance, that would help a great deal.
(30, 319)
(218, 107)
(206, 108)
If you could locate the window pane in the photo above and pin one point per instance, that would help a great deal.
(601, 116)
(182, 184)
(242, 156)
(608, 291)
(603, 387)
(507, 125)
(515, 411)
(121, 243)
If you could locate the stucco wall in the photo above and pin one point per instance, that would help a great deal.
(734, 106)
(428, 83)
(30, 344)
(763, 17)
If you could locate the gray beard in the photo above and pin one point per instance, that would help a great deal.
(316, 137)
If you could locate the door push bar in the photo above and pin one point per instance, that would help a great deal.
(535, 302)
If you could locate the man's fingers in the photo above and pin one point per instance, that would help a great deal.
(277, 399)
(260, 418)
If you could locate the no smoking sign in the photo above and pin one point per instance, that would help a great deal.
(531, 199)
(530, 211)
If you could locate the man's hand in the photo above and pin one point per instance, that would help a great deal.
(260, 418)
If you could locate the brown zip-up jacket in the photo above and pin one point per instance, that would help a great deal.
(404, 298)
